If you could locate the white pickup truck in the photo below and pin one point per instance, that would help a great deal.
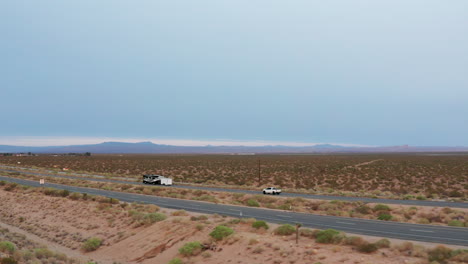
(271, 190)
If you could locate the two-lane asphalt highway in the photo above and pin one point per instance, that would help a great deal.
(426, 233)
(306, 196)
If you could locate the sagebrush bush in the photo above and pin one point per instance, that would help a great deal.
(221, 232)
(253, 203)
(43, 253)
(10, 186)
(367, 248)
(383, 243)
(198, 218)
(354, 241)
(153, 218)
(440, 254)
(91, 244)
(64, 193)
(381, 207)
(385, 217)
(75, 196)
(260, 224)
(456, 223)
(285, 230)
(179, 213)
(176, 261)
(329, 236)
(7, 247)
(306, 232)
(363, 209)
(191, 249)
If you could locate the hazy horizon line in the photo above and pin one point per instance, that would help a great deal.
(46, 141)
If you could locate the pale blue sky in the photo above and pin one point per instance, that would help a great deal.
(358, 72)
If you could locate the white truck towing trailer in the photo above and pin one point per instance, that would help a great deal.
(156, 179)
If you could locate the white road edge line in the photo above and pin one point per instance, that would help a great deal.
(346, 223)
(425, 231)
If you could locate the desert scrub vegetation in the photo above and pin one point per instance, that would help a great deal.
(22, 250)
(191, 249)
(285, 230)
(91, 244)
(260, 224)
(410, 176)
(439, 254)
(221, 232)
(176, 261)
(142, 218)
(329, 236)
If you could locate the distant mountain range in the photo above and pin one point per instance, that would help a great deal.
(151, 148)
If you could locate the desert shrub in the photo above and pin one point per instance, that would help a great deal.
(153, 218)
(11, 186)
(190, 249)
(329, 236)
(260, 224)
(43, 253)
(381, 207)
(7, 247)
(367, 248)
(424, 221)
(179, 213)
(234, 221)
(383, 243)
(440, 254)
(136, 215)
(447, 210)
(75, 196)
(64, 193)
(460, 255)
(363, 209)
(421, 197)
(285, 230)
(405, 246)
(253, 203)
(2, 183)
(455, 193)
(176, 261)
(354, 241)
(91, 244)
(221, 232)
(8, 260)
(307, 232)
(284, 207)
(456, 223)
(385, 216)
(198, 218)
(51, 192)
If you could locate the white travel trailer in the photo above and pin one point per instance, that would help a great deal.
(156, 179)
